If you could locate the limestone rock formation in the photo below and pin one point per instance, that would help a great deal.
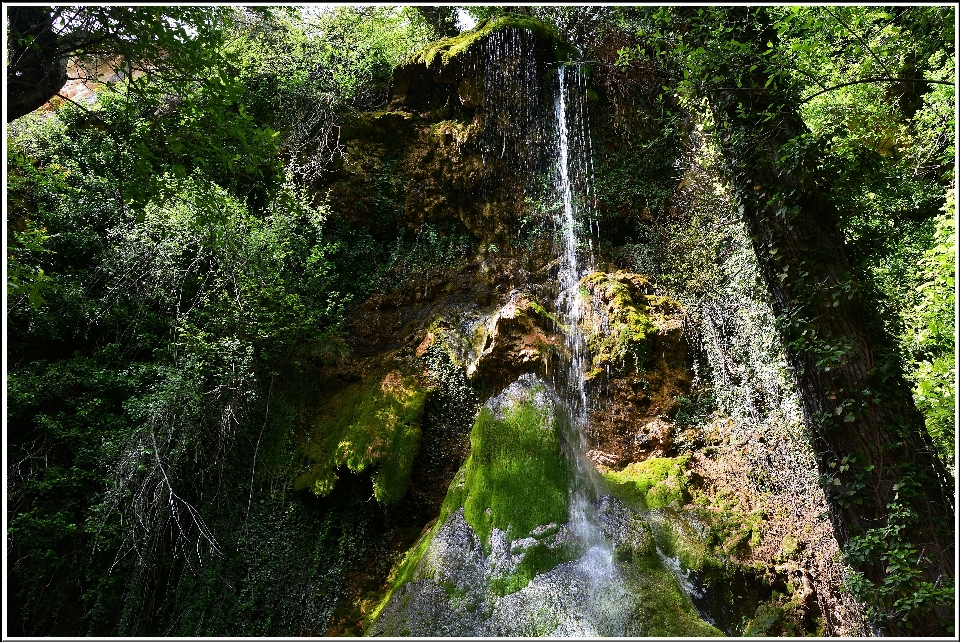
(695, 543)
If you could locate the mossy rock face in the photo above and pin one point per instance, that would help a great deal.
(515, 447)
(375, 422)
(655, 483)
(442, 52)
(502, 558)
(617, 324)
(497, 344)
(641, 362)
(453, 67)
(487, 108)
(783, 615)
(459, 140)
(663, 608)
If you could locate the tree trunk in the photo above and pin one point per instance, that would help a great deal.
(36, 71)
(873, 452)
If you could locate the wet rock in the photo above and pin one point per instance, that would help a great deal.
(640, 366)
(517, 339)
(450, 595)
(623, 526)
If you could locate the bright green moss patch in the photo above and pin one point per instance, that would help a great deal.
(618, 327)
(450, 48)
(654, 483)
(515, 478)
(537, 559)
(516, 475)
(374, 422)
(675, 536)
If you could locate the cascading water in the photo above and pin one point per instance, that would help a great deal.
(513, 131)
(604, 591)
(570, 382)
(562, 574)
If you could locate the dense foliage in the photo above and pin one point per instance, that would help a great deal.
(170, 284)
(173, 282)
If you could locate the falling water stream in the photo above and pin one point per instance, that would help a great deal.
(585, 485)
(589, 595)
(570, 384)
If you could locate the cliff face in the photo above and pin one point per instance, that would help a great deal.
(445, 394)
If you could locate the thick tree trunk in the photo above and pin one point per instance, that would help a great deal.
(36, 69)
(872, 448)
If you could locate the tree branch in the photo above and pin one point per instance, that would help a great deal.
(869, 80)
(862, 41)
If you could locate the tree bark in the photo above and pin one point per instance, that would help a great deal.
(871, 444)
(36, 69)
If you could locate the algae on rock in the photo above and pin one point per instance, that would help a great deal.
(374, 422)
(510, 455)
(618, 328)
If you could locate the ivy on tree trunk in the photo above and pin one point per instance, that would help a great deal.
(890, 495)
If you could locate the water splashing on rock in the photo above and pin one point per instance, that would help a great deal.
(569, 381)
(484, 569)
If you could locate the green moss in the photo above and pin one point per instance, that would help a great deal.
(374, 422)
(788, 547)
(778, 616)
(543, 313)
(653, 483)
(692, 547)
(403, 572)
(663, 609)
(734, 531)
(460, 131)
(516, 475)
(508, 459)
(620, 335)
(450, 48)
(537, 559)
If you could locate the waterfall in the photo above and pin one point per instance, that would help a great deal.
(512, 131)
(559, 577)
(569, 382)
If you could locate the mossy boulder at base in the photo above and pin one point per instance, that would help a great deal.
(514, 449)
(502, 558)
(515, 446)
